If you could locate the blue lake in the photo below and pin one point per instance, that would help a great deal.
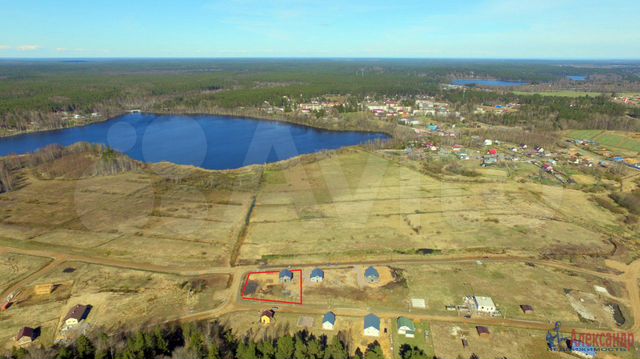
(211, 142)
(577, 78)
(490, 83)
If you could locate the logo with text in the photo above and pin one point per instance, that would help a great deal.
(588, 344)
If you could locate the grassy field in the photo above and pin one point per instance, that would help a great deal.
(117, 295)
(441, 285)
(503, 342)
(344, 207)
(508, 284)
(614, 140)
(14, 266)
(423, 338)
(359, 204)
(347, 206)
(121, 217)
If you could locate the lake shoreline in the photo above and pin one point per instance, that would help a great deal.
(212, 142)
(388, 129)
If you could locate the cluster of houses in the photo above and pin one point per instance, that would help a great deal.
(317, 105)
(631, 100)
(424, 106)
(593, 146)
(76, 116)
(497, 109)
(76, 315)
(371, 322)
(317, 275)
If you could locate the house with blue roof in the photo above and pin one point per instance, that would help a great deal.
(286, 276)
(317, 275)
(329, 321)
(372, 325)
(371, 275)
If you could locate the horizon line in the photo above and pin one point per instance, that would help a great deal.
(613, 59)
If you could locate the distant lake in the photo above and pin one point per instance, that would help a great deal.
(211, 142)
(577, 78)
(491, 83)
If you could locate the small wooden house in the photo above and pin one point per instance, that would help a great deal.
(526, 309)
(43, 289)
(267, 317)
(483, 331)
(25, 336)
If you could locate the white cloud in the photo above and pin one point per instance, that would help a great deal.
(4, 47)
(28, 47)
(64, 49)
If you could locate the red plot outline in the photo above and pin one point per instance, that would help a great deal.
(246, 283)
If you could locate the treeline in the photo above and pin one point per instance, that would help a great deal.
(34, 94)
(207, 341)
(549, 112)
(7, 178)
(628, 200)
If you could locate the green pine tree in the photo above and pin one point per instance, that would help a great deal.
(84, 348)
(285, 348)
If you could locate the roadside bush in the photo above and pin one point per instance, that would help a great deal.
(606, 203)
(630, 201)
(458, 169)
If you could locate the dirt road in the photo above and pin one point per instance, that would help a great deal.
(626, 274)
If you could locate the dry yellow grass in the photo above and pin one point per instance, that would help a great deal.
(119, 298)
(358, 204)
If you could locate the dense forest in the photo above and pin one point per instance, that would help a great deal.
(550, 112)
(34, 95)
(207, 341)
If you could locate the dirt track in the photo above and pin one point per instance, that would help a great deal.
(629, 276)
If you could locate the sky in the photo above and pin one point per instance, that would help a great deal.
(530, 29)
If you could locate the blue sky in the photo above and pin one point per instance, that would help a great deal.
(565, 29)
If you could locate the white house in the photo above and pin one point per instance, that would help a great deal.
(377, 107)
(329, 321)
(317, 275)
(371, 326)
(484, 304)
(406, 327)
(77, 314)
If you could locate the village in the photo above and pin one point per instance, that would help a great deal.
(438, 295)
(395, 331)
(356, 292)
